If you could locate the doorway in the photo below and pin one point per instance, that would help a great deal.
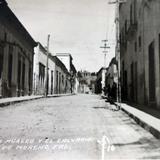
(151, 73)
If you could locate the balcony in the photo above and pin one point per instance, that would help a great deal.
(132, 28)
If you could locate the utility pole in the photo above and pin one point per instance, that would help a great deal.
(46, 79)
(118, 2)
(105, 47)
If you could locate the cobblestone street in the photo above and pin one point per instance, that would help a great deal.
(80, 127)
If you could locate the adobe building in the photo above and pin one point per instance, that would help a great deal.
(112, 72)
(140, 51)
(62, 77)
(67, 59)
(39, 71)
(58, 76)
(101, 80)
(112, 79)
(87, 82)
(16, 55)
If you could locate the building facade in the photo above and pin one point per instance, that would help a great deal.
(112, 79)
(140, 51)
(67, 60)
(87, 81)
(101, 80)
(39, 72)
(58, 76)
(62, 77)
(16, 55)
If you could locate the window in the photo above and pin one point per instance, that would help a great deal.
(133, 11)
(131, 20)
(125, 26)
(30, 79)
(159, 45)
(136, 77)
(10, 58)
(23, 74)
(51, 77)
(41, 72)
(51, 82)
(1, 61)
(139, 42)
(62, 79)
(120, 38)
(135, 46)
(5, 36)
(159, 50)
(152, 73)
(132, 81)
(123, 33)
(57, 81)
(19, 71)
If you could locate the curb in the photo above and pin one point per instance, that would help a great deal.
(155, 132)
(59, 95)
(4, 104)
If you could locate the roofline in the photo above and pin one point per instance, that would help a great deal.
(64, 54)
(4, 4)
(113, 61)
(56, 59)
(42, 46)
(101, 69)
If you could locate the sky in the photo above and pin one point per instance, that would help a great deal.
(75, 26)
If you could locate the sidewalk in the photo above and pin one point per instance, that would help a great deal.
(147, 121)
(12, 100)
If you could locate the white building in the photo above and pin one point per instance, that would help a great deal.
(67, 59)
(58, 76)
(40, 59)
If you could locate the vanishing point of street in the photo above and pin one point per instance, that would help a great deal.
(78, 127)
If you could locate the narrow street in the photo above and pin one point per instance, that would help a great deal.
(80, 127)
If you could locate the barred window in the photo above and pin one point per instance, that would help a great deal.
(1, 60)
(41, 72)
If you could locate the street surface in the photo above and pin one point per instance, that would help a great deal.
(80, 127)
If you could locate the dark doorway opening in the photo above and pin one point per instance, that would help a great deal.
(151, 73)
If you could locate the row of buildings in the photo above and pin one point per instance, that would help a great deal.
(139, 37)
(87, 82)
(107, 80)
(140, 51)
(61, 72)
(23, 62)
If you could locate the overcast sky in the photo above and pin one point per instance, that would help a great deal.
(75, 26)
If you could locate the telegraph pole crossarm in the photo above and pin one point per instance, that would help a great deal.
(105, 51)
(105, 47)
(105, 44)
